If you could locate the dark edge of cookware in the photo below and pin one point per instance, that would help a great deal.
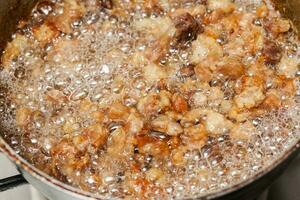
(14, 10)
(289, 9)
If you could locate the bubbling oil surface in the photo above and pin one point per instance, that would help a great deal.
(95, 63)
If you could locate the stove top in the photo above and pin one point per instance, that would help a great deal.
(24, 192)
(285, 188)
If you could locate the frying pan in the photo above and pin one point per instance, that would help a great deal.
(11, 11)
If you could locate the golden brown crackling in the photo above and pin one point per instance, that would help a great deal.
(248, 81)
(288, 66)
(250, 97)
(45, 32)
(56, 97)
(195, 136)
(73, 10)
(154, 103)
(67, 160)
(243, 131)
(272, 101)
(153, 146)
(159, 49)
(179, 103)
(220, 9)
(63, 52)
(96, 134)
(14, 49)
(135, 123)
(286, 86)
(166, 125)
(231, 67)
(205, 48)
(262, 11)
(118, 111)
(203, 72)
(177, 156)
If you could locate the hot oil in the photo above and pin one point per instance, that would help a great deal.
(95, 64)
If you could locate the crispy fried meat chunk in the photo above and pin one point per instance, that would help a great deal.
(187, 29)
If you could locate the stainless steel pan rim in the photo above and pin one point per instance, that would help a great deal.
(58, 185)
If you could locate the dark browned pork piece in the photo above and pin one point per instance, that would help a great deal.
(108, 4)
(272, 52)
(187, 71)
(187, 29)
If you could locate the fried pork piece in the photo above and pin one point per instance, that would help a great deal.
(187, 29)
(70, 154)
(239, 114)
(272, 52)
(250, 97)
(272, 100)
(154, 103)
(288, 66)
(152, 145)
(177, 156)
(249, 81)
(205, 48)
(179, 103)
(118, 112)
(219, 10)
(161, 30)
(108, 4)
(195, 137)
(285, 86)
(155, 174)
(199, 99)
(231, 67)
(135, 122)
(96, 135)
(191, 117)
(203, 71)
(238, 34)
(64, 53)
(72, 10)
(216, 123)
(45, 33)
(154, 73)
(225, 5)
(166, 125)
(67, 161)
(14, 49)
(243, 131)
(276, 26)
